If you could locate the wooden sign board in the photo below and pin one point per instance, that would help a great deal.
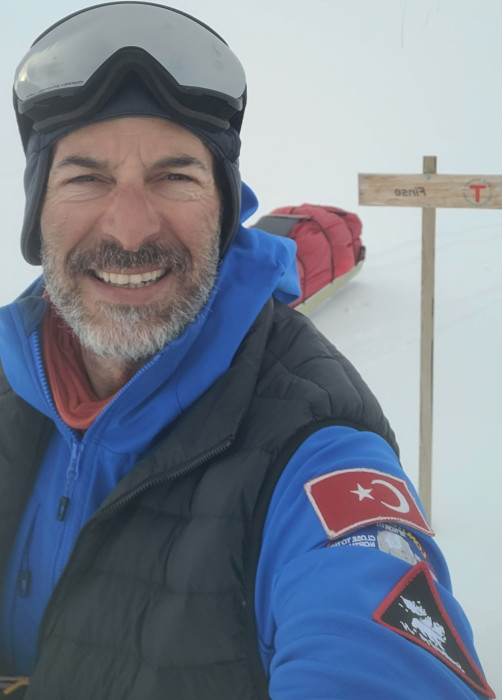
(431, 191)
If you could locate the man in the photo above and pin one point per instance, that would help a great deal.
(200, 497)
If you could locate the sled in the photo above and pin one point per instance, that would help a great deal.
(329, 248)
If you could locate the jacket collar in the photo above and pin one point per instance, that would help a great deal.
(210, 424)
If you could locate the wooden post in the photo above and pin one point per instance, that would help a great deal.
(429, 191)
(427, 347)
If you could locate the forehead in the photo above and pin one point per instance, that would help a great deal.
(148, 138)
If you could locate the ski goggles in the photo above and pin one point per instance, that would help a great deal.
(74, 67)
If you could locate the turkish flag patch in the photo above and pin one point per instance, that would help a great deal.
(351, 498)
(414, 610)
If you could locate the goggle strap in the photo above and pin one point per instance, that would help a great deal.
(103, 92)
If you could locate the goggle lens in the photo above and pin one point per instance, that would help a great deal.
(62, 62)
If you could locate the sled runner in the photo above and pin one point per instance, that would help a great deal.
(329, 248)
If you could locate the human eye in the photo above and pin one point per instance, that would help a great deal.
(83, 185)
(83, 178)
(178, 177)
(177, 184)
(79, 179)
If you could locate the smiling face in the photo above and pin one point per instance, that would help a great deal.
(130, 233)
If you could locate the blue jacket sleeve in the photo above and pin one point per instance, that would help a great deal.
(316, 600)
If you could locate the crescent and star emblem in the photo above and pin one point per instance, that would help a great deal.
(381, 497)
(403, 505)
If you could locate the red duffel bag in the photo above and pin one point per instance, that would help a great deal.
(329, 246)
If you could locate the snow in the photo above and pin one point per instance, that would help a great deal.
(338, 88)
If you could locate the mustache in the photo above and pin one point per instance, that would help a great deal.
(111, 255)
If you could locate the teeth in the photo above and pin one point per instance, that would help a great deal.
(133, 281)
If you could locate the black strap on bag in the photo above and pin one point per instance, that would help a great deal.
(280, 225)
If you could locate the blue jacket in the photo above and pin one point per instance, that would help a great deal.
(306, 592)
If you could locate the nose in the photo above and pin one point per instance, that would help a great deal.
(130, 217)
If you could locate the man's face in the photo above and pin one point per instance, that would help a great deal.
(130, 233)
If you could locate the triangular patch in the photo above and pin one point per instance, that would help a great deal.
(414, 610)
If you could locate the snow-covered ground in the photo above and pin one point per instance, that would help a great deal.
(337, 88)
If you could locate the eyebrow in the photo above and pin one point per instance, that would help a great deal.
(82, 162)
(182, 161)
(179, 162)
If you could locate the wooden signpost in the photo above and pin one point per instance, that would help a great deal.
(429, 191)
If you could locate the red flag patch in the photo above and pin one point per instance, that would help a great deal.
(414, 610)
(351, 498)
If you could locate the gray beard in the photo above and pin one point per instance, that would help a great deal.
(127, 332)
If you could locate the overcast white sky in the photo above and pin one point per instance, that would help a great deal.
(337, 88)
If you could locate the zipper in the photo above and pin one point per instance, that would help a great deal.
(119, 504)
(76, 442)
(157, 481)
(24, 574)
(37, 354)
(71, 475)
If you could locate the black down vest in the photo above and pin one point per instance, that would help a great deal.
(157, 600)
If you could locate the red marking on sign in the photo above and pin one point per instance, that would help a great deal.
(351, 498)
(478, 189)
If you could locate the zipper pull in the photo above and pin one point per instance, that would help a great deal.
(64, 502)
(71, 475)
